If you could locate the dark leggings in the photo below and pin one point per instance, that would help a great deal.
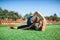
(24, 26)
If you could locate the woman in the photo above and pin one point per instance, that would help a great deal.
(32, 20)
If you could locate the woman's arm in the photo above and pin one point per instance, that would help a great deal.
(43, 22)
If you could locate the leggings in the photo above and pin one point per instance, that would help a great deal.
(24, 26)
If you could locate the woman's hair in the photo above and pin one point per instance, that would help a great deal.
(35, 19)
(36, 14)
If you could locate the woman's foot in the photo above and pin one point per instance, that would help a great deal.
(10, 26)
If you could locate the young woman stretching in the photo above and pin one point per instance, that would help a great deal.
(31, 21)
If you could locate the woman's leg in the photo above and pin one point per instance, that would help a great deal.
(40, 28)
(19, 27)
(33, 28)
(23, 26)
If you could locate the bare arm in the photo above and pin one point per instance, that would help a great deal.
(43, 22)
(42, 15)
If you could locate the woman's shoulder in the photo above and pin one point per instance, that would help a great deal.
(30, 16)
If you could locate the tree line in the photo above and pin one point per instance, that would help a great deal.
(9, 14)
(53, 17)
(14, 15)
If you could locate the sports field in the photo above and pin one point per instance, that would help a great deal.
(52, 32)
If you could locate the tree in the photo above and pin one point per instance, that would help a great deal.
(55, 17)
(27, 15)
(9, 14)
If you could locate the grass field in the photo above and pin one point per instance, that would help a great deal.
(52, 32)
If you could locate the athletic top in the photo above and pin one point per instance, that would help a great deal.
(32, 19)
(29, 20)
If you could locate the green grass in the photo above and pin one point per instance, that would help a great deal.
(52, 32)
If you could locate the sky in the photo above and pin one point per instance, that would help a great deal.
(46, 7)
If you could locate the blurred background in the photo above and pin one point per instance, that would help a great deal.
(17, 11)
